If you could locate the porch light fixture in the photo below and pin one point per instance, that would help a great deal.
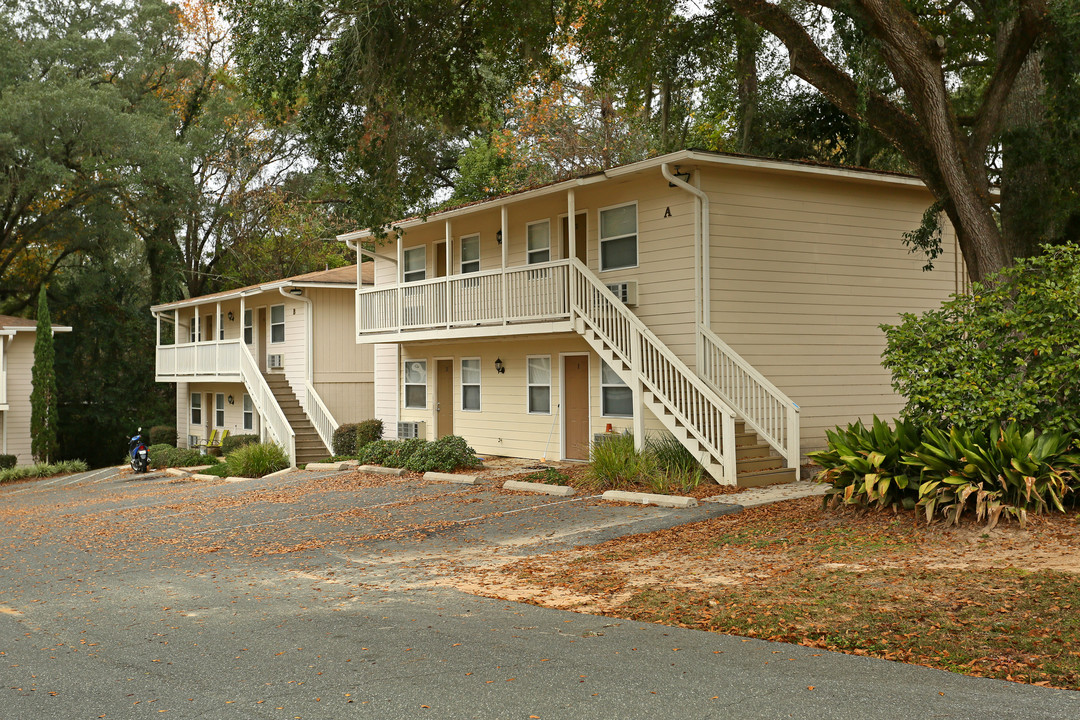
(499, 366)
(231, 316)
(498, 236)
(684, 176)
(296, 291)
(230, 399)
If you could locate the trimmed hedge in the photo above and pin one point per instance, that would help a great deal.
(235, 442)
(368, 432)
(7, 461)
(349, 439)
(257, 459)
(165, 456)
(163, 435)
(443, 455)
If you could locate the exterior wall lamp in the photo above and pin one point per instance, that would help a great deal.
(231, 316)
(498, 236)
(230, 399)
(499, 366)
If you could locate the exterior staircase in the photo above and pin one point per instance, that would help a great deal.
(692, 409)
(309, 446)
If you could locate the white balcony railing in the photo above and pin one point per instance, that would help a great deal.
(204, 359)
(530, 293)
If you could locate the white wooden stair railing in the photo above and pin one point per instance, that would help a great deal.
(319, 415)
(768, 411)
(262, 397)
(616, 330)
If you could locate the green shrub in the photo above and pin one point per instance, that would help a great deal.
(218, 470)
(617, 464)
(7, 461)
(446, 454)
(866, 466)
(166, 456)
(1009, 350)
(344, 440)
(376, 453)
(257, 459)
(368, 432)
(402, 451)
(550, 475)
(162, 435)
(677, 466)
(235, 442)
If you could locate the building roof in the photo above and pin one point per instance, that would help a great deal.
(16, 324)
(701, 157)
(344, 277)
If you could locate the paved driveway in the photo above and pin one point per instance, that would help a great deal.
(316, 596)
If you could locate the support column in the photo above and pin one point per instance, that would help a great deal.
(571, 222)
(449, 268)
(505, 243)
(400, 293)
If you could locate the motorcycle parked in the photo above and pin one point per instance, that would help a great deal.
(140, 456)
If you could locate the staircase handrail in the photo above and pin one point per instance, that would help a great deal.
(718, 440)
(764, 407)
(320, 416)
(266, 404)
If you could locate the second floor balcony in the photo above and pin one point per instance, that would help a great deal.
(533, 298)
(216, 361)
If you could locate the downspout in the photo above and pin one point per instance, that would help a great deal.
(308, 349)
(702, 256)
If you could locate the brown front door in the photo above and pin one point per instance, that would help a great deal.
(440, 260)
(576, 402)
(581, 231)
(444, 398)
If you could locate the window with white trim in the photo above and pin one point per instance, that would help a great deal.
(538, 379)
(616, 397)
(221, 326)
(196, 408)
(618, 237)
(416, 383)
(538, 242)
(249, 413)
(249, 334)
(191, 328)
(415, 264)
(219, 410)
(470, 384)
(277, 323)
(470, 254)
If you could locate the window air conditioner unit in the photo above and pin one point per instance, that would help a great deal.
(411, 430)
(625, 291)
(275, 361)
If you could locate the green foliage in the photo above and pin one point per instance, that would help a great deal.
(368, 432)
(617, 465)
(257, 459)
(234, 442)
(44, 411)
(1009, 350)
(7, 461)
(674, 461)
(549, 475)
(377, 452)
(400, 451)
(166, 456)
(446, 454)
(350, 438)
(42, 470)
(865, 466)
(163, 435)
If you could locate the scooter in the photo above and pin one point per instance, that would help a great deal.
(140, 457)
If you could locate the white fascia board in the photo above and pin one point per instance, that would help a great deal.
(28, 328)
(796, 167)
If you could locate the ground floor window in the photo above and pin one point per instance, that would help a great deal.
(470, 384)
(539, 384)
(196, 408)
(416, 383)
(617, 399)
(219, 410)
(249, 413)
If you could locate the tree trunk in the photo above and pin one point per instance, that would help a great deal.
(748, 41)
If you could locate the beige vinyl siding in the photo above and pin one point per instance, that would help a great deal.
(503, 426)
(293, 349)
(386, 360)
(343, 371)
(803, 272)
(182, 415)
(19, 355)
(234, 414)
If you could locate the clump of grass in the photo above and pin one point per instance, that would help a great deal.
(42, 470)
(663, 466)
(679, 469)
(550, 475)
(256, 460)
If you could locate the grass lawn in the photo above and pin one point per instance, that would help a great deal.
(999, 604)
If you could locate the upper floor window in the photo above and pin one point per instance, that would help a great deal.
(539, 242)
(415, 264)
(618, 237)
(470, 254)
(191, 328)
(248, 333)
(221, 326)
(277, 323)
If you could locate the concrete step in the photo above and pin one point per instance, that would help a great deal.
(760, 478)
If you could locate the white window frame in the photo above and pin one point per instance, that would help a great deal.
(249, 326)
(219, 410)
(604, 386)
(405, 263)
(191, 328)
(195, 407)
(249, 413)
(221, 326)
(529, 252)
(478, 384)
(601, 239)
(270, 317)
(529, 385)
(405, 384)
(472, 265)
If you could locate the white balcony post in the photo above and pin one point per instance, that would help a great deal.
(505, 230)
(400, 281)
(157, 317)
(217, 331)
(176, 326)
(198, 326)
(449, 268)
(242, 321)
(571, 225)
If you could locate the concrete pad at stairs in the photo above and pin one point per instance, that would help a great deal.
(325, 466)
(772, 494)
(542, 488)
(200, 476)
(351, 464)
(176, 472)
(234, 478)
(195, 468)
(279, 473)
(672, 501)
(452, 478)
(380, 470)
